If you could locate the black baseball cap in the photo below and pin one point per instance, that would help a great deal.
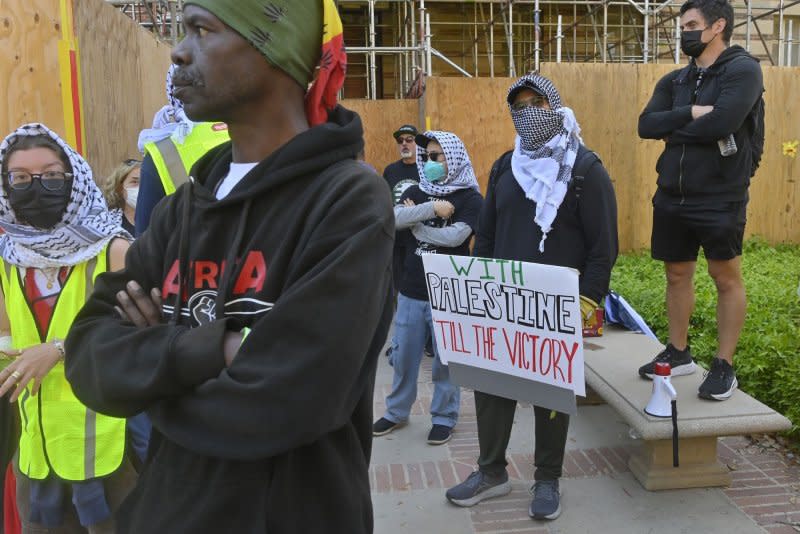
(525, 85)
(423, 140)
(409, 129)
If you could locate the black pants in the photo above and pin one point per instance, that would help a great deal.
(495, 419)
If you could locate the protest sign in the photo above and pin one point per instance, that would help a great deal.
(510, 328)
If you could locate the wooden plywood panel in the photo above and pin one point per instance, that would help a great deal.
(109, 47)
(476, 111)
(154, 61)
(29, 70)
(773, 211)
(380, 119)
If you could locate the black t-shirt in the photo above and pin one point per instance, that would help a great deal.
(400, 176)
(467, 204)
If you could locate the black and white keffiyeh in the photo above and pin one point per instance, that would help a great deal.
(460, 174)
(170, 120)
(545, 149)
(86, 227)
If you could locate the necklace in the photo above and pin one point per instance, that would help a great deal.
(51, 280)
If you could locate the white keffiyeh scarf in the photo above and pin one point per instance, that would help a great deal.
(86, 227)
(544, 151)
(169, 121)
(460, 174)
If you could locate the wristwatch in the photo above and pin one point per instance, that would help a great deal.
(59, 345)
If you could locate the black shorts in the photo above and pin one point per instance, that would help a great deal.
(680, 230)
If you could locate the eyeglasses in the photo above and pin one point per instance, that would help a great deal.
(433, 156)
(50, 180)
(401, 140)
(537, 101)
(132, 161)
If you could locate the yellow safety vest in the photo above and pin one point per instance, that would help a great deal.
(174, 161)
(59, 433)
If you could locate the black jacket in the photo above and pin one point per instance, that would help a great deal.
(280, 441)
(583, 234)
(691, 169)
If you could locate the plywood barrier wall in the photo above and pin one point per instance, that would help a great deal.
(119, 67)
(29, 72)
(381, 118)
(123, 72)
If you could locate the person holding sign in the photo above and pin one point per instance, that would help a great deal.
(442, 213)
(548, 201)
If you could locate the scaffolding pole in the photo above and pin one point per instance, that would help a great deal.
(559, 37)
(537, 48)
(749, 23)
(373, 67)
(605, 32)
(677, 40)
(781, 36)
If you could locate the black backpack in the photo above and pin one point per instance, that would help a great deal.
(583, 162)
(756, 120)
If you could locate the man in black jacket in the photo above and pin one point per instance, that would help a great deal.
(704, 114)
(273, 265)
(537, 211)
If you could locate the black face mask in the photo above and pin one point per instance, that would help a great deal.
(692, 44)
(38, 206)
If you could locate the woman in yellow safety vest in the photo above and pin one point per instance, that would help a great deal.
(71, 469)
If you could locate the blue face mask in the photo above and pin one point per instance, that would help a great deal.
(434, 171)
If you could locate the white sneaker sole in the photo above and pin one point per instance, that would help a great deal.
(681, 370)
(727, 394)
(439, 441)
(494, 491)
(392, 429)
(554, 515)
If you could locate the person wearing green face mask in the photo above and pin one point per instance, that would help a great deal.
(709, 115)
(441, 213)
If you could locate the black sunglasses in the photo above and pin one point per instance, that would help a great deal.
(433, 156)
(132, 161)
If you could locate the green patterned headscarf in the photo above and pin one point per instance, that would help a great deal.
(286, 32)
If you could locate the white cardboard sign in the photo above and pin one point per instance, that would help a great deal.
(512, 317)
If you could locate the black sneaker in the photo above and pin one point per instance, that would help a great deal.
(383, 426)
(680, 362)
(439, 434)
(719, 381)
(546, 503)
(477, 487)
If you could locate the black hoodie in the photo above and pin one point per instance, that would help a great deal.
(691, 169)
(280, 441)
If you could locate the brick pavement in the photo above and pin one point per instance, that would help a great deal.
(766, 483)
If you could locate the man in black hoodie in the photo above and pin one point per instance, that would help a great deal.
(705, 114)
(273, 266)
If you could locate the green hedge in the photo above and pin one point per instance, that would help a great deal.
(767, 359)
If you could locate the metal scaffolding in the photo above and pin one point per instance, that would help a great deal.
(394, 44)
(162, 17)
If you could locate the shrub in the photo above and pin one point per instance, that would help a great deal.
(767, 358)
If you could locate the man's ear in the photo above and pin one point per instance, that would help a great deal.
(719, 25)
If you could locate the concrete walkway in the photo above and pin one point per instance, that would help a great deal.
(600, 495)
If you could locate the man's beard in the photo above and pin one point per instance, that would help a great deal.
(405, 154)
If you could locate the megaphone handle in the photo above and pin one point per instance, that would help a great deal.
(674, 433)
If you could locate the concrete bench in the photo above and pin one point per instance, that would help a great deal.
(612, 363)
